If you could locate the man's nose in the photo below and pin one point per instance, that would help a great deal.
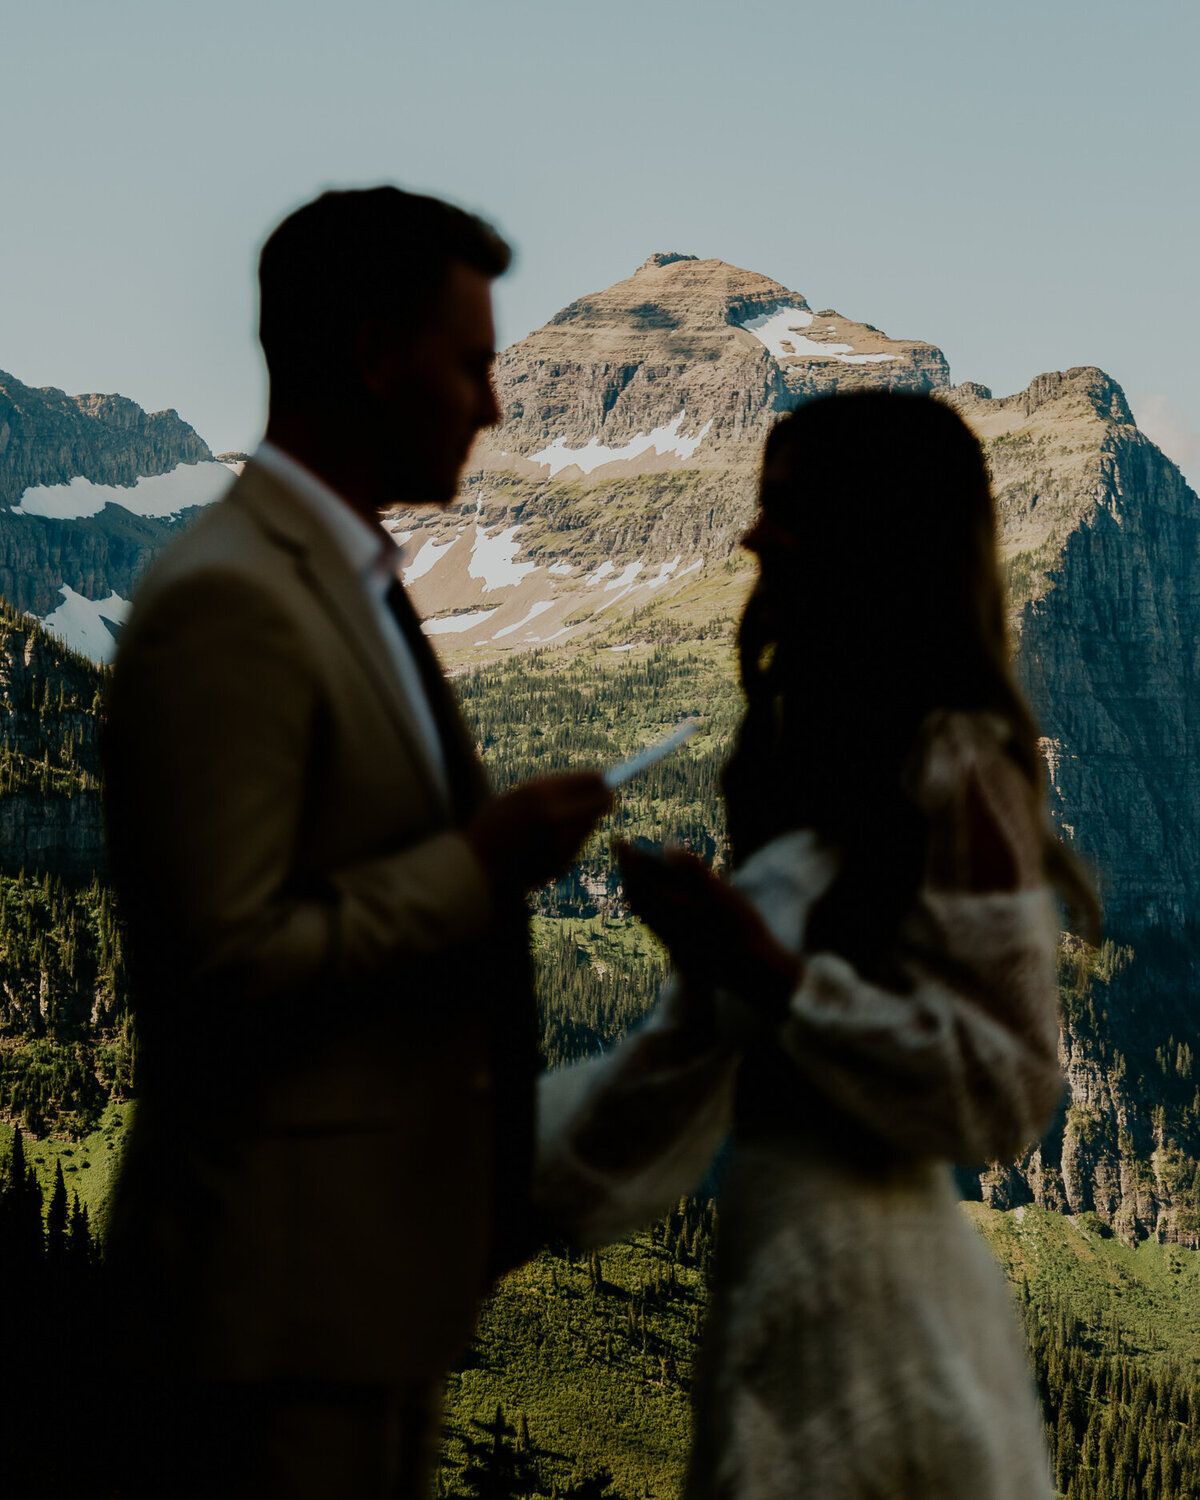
(489, 414)
(752, 538)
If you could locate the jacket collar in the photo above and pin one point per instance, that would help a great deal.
(322, 564)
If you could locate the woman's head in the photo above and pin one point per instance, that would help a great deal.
(876, 541)
(879, 602)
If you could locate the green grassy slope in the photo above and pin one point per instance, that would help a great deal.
(575, 1390)
(596, 1355)
(1141, 1301)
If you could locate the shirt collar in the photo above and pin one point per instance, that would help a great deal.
(368, 549)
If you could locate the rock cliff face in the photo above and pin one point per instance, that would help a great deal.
(1126, 1144)
(49, 438)
(95, 557)
(91, 487)
(1101, 536)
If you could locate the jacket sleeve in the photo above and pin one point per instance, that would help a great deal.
(213, 714)
(962, 1064)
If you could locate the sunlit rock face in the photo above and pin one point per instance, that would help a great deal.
(627, 460)
(696, 342)
(1101, 536)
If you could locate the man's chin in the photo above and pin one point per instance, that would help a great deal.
(431, 491)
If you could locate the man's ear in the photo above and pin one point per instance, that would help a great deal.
(380, 354)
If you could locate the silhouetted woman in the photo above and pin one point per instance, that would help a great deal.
(887, 963)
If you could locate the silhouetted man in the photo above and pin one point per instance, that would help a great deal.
(324, 902)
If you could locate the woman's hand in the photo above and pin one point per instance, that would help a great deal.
(715, 936)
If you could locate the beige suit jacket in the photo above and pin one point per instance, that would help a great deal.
(333, 1019)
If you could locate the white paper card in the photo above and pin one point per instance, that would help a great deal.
(618, 775)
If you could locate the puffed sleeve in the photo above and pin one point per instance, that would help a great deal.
(623, 1135)
(963, 1063)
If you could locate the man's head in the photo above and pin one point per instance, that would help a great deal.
(375, 315)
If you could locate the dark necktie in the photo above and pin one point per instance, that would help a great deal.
(462, 771)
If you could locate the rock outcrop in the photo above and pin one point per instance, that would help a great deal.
(95, 556)
(49, 438)
(1101, 537)
(91, 487)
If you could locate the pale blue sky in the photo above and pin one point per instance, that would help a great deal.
(1015, 182)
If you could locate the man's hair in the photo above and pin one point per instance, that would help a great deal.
(352, 255)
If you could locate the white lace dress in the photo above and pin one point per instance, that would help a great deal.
(861, 1342)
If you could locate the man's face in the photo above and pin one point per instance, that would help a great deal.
(434, 391)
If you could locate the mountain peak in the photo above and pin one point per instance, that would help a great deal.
(664, 258)
(685, 358)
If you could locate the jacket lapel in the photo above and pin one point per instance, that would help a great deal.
(291, 525)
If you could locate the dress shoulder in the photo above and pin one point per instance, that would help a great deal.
(986, 826)
(950, 743)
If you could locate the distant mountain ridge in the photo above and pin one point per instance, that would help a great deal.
(50, 438)
(94, 486)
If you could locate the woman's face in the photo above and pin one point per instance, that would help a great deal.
(770, 538)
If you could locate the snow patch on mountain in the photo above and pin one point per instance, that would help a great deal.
(539, 608)
(425, 558)
(624, 579)
(456, 624)
(594, 454)
(89, 626)
(160, 495)
(664, 572)
(493, 560)
(779, 331)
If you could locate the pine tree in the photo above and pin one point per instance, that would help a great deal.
(57, 1219)
(81, 1252)
(24, 1235)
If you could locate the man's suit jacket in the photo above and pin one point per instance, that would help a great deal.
(335, 1023)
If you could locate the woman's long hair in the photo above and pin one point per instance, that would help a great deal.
(888, 608)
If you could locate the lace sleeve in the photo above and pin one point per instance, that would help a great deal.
(964, 1064)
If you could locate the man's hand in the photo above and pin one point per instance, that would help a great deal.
(530, 834)
(716, 938)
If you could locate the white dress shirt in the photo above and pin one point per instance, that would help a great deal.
(375, 560)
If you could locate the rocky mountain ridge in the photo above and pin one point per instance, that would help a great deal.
(91, 488)
(50, 438)
(1101, 538)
